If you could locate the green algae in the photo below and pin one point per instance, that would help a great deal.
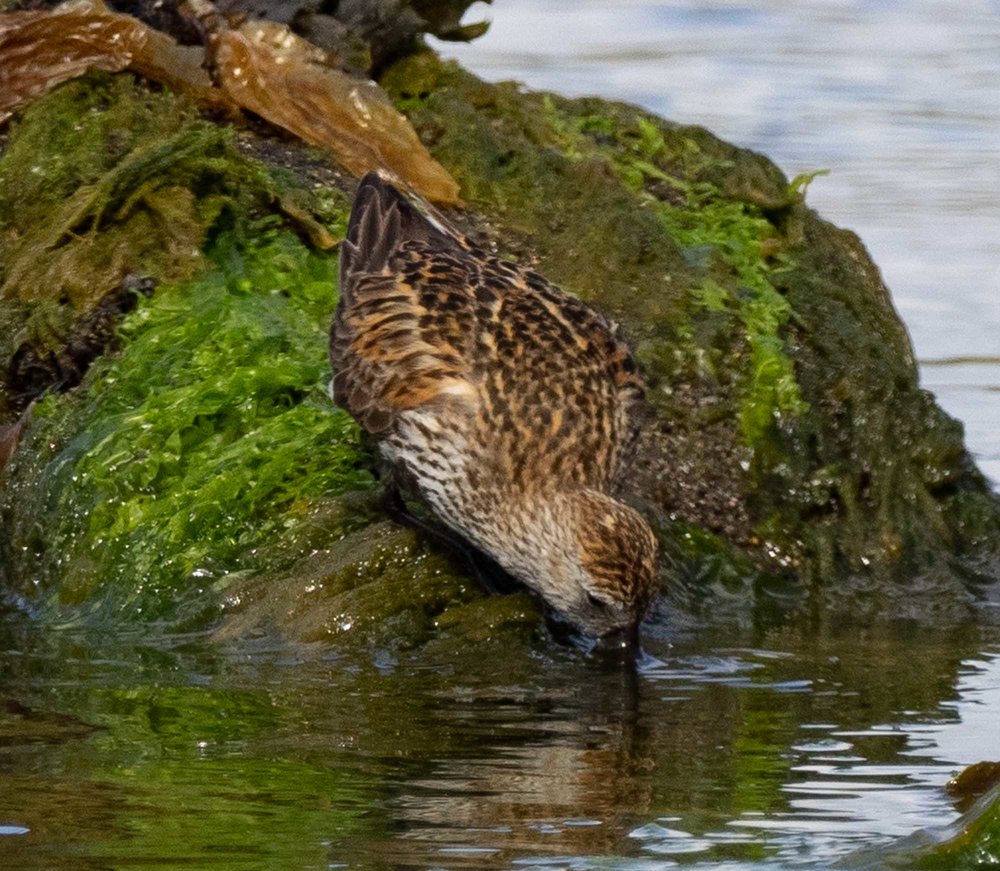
(975, 843)
(737, 245)
(77, 134)
(106, 183)
(96, 185)
(206, 438)
(378, 588)
(769, 388)
(679, 227)
(768, 339)
(706, 225)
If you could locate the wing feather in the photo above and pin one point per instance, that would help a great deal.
(424, 318)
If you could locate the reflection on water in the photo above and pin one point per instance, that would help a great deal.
(784, 753)
(899, 100)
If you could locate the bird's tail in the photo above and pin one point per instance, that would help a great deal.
(381, 220)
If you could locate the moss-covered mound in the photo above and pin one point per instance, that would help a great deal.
(200, 466)
(792, 423)
(105, 188)
(207, 439)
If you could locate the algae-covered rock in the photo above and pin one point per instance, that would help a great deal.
(794, 461)
(974, 841)
(207, 439)
(380, 588)
(202, 470)
(970, 843)
(105, 188)
(792, 423)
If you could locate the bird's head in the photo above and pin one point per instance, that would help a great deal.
(599, 565)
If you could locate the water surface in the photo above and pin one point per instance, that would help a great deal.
(774, 751)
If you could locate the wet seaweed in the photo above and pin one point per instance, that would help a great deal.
(206, 438)
(107, 186)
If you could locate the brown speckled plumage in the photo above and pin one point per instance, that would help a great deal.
(509, 407)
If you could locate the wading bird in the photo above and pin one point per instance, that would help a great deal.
(509, 408)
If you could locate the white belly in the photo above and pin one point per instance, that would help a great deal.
(435, 456)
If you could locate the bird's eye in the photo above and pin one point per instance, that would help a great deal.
(597, 603)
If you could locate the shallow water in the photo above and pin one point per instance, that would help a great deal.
(764, 749)
(766, 752)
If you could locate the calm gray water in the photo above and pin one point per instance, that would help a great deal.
(900, 100)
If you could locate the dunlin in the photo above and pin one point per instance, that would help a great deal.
(508, 407)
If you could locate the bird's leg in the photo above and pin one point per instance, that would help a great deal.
(490, 576)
